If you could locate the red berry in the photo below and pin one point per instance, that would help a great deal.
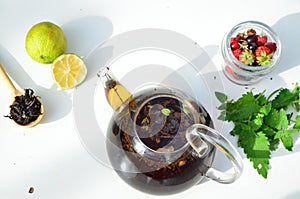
(263, 55)
(234, 44)
(233, 39)
(261, 40)
(271, 45)
(237, 53)
(262, 50)
(251, 32)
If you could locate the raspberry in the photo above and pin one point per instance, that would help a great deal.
(271, 45)
(237, 53)
(261, 40)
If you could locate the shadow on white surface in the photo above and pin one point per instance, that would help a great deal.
(288, 31)
(294, 195)
(84, 34)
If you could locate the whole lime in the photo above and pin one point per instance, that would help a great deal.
(45, 41)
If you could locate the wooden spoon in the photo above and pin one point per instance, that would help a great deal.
(15, 92)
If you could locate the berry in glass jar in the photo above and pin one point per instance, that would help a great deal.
(257, 54)
(256, 50)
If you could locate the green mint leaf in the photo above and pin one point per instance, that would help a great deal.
(297, 123)
(286, 137)
(243, 108)
(268, 131)
(221, 97)
(262, 100)
(256, 122)
(222, 106)
(272, 118)
(274, 143)
(256, 147)
(283, 122)
(297, 106)
(239, 128)
(266, 109)
(297, 92)
(261, 124)
(222, 116)
(277, 120)
(284, 98)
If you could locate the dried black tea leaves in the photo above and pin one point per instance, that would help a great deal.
(25, 108)
(163, 123)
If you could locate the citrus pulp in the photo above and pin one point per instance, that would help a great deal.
(68, 71)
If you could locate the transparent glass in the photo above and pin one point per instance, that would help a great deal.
(238, 72)
(161, 141)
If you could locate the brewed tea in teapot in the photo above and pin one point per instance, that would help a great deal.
(160, 140)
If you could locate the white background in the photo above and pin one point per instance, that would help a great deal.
(50, 156)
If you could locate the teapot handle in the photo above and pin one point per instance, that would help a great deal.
(198, 134)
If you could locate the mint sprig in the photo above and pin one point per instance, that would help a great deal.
(262, 122)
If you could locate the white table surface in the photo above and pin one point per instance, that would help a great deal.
(51, 158)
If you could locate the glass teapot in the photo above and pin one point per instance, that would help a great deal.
(161, 141)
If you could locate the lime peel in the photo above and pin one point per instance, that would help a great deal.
(45, 41)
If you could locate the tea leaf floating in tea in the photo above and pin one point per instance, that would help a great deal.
(25, 108)
(166, 111)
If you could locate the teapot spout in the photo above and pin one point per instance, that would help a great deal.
(116, 94)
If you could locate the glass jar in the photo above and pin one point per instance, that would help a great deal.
(238, 72)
